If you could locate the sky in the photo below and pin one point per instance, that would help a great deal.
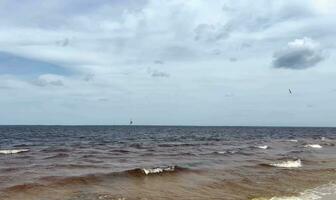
(168, 62)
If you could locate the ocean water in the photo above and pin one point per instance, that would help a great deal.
(158, 162)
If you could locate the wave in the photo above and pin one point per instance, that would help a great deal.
(55, 149)
(315, 146)
(322, 192)
(262, 147)
(91, 179)
(13, 151)
(122, 151)
(288, 164)
(59, 155)
(74, 166)
(22, 145)
(178, 145)
(155, 170)
(158, 170)
(138, 146)
(22, 187)
(296, 152)
(225, 152)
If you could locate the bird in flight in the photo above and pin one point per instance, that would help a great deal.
(290, 91)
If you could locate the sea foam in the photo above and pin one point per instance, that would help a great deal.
(262, 147)
(315, 146)
(288, 164)
(324, 192)
(157, 170)
(13, 151)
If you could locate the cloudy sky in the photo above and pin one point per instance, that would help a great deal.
(169, 62)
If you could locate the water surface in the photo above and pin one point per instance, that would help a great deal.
(157, 162)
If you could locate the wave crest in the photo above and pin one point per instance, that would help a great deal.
(315, 146)
(155, 170)
(13, 151)
(322, 192)
(158, 170)
(262, 147)
(288, 164)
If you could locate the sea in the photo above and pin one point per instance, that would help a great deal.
(167, 162)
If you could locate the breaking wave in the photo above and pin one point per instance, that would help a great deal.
(156, 170)
(322, 192)
(13, 151)
(288, 164)
(315, 146)
(88, 179)
(262, 147)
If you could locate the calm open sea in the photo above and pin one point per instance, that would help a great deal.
(158, 162)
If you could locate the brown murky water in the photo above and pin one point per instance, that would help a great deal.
(116, 162)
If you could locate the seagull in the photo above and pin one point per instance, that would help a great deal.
(290, 91)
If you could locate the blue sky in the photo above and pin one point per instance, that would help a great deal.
(174, 62)
(17, 65)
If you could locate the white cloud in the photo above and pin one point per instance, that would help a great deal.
(50, 80)
(157, 74)
(325, 6)
(299, 54)
(304, 43)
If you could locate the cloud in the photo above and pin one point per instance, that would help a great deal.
(211, 33)
(245, 45)
(299, 54)
(216, 52)
(82, 49)
(159, 62)
(103, 99)
(157, 74)
(65, 42)
(160, 74)
(49, 80)
(88, 77)
(228, 94)
(233, 59)
(178, 53)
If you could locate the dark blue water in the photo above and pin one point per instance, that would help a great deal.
(11, 136)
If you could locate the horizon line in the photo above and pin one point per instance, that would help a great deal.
(156, 125)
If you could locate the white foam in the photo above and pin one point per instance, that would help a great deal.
(324, 192)
(315, 146)
(262, 147)
(13, 151)
(293, 140)
(221, 152)
(158, 170)
(288, 164)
